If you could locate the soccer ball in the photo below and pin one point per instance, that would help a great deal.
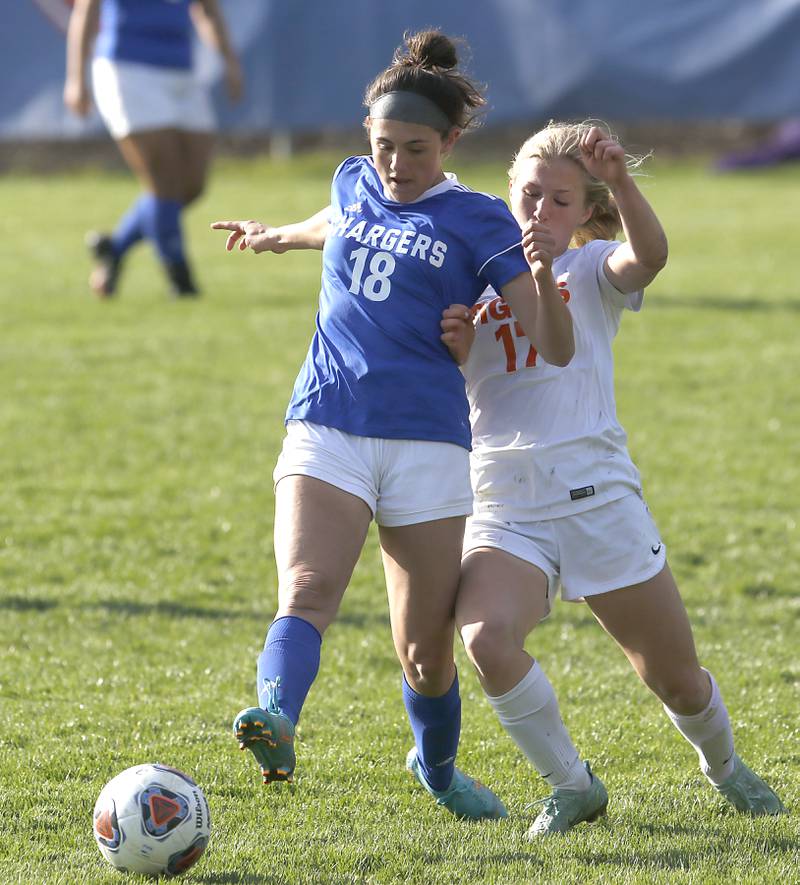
(152, 819)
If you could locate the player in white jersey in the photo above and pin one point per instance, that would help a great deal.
(158, 112)
(557, 498)
(378, 423)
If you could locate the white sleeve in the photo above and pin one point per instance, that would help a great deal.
(623, 301)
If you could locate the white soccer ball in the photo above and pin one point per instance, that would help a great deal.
(152, 819)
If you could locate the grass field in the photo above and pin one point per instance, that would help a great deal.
(136, 576)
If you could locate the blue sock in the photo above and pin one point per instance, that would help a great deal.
(291, 652)
(436, 723)
(129, 229)
(161, 224)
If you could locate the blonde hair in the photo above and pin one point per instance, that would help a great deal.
(562, 141)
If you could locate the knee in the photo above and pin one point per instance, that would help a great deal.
(306, 592)
(488, 643)
(685, 691)
(428, 665)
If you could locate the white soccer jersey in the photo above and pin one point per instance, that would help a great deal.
(546, 440)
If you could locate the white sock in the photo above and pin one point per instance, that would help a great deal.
(530, 715)
(709, 732)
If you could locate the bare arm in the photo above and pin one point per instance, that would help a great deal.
(536, 302)
(210, 25)
(635, 263)
(308, 234)
(80, 36)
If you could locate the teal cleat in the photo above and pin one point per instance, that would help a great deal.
(269, 735)
(565, 808)
(748, 793)
(466, 798)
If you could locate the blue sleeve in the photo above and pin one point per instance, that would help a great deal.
(498, 245)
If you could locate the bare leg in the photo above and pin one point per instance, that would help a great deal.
(196, 149)
(170, 163)
(319, 533)
(501, 598)
(650, 624)
(156, 158)
(171, 166)
(422, 566)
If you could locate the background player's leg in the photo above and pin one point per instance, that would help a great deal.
(157, 158)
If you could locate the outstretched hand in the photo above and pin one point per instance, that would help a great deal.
(603, 156)
(458, 333)
(249, 235)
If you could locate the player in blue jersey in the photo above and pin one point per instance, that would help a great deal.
(377, 426)
(156, 110)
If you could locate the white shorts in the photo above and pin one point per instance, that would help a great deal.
(606, 548)
(402, 481)
(135, 97)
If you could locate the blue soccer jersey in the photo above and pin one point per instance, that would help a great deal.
(377, 366)
(151, 32)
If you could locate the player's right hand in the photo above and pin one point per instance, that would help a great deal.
(249, 235)
(538, 244)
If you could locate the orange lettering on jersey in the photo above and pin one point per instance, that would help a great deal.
(479, 314)
(499, 310)
(504, 335)
(530, 360)
(562, 288)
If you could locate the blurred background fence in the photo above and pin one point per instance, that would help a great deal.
(307, 62)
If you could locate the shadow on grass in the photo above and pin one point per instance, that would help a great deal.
(21, 604)
(742, 305)
(761, 591)
(673, 859)
(684, 859)
(676, 830)
(233, 878)
(487, 860)
(716, 844)
(363, 619)
(164, 608)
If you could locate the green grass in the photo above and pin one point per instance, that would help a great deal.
(137, 580)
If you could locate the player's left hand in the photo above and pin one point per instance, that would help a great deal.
(603, 156)
(77, 96)
(458, 333)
